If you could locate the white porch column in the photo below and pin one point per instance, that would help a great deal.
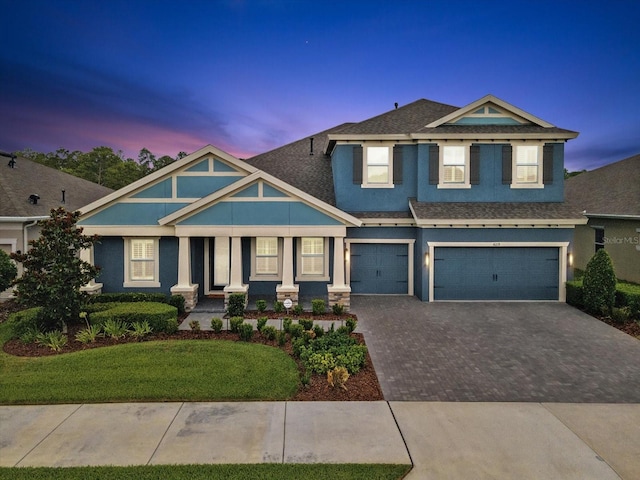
(235, 278)
(86, 255)
(339, 292)
(184, 286)
(287, 289)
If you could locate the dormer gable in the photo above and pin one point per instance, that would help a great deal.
(489, 110)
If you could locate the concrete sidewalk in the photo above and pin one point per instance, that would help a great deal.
(442, 440)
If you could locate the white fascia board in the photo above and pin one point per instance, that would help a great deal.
(486, 99)
(22, 219)
(493, 137)
(128, 231)
(612, 216)
(368, 137)
(392, 222)
(166, 172)
(502, 222)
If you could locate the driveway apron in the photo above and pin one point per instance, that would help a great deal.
(496, 352)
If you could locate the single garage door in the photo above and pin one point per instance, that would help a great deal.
(496, 273)
(381, 268)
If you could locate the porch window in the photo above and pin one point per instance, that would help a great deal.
(312, 259)
(266, 261)
(141, 262)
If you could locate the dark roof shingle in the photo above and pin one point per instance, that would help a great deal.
(495, 211)
(613, 189)
(27, 178)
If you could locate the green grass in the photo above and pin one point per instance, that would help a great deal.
(267, 471)
(185, 370)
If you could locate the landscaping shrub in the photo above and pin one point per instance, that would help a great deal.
(620, 315)
(286, 324)
(114, 328)
(282, 338)
(140, 330)
(351, 324)
(55, 340)
(298, 309)
(599, 283)
(245, 330)
(8, 271)
(194, 325)
(574, 293)
(333, 349)
(127, 297)
(89, 334)
(628, 295)
(318, 306)
(261, 305)
(306, 323)
(25, 322)
(295, 330)
(234, 324)
(337, 309)
(216, 324)
(262, 321)
(269, 332)
(178, 302)
(237, 304)
(278, 307)
(318, 330)
(161, 316)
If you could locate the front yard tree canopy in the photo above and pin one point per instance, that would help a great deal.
(599, 283)
(53, 270)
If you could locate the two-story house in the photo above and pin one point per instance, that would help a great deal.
(428, 199)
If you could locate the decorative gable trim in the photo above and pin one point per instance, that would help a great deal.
(487, 99)
(184, 164)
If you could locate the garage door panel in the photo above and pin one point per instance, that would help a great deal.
(379, 268)
(496, 273)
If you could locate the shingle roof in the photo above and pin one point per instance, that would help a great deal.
(610, 190)
(495, 211)
(17, 184)
(293, 164)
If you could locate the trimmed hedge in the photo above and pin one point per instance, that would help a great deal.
(161, 317)
(23, 321)
(126, 297)
(627, 295)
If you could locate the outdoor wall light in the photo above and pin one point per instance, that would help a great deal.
(346, 254)
(426, 259)
(570, 259)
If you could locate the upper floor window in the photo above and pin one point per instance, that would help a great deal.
(454, 166)
(378, 166)
(527, 168)
(142, 262)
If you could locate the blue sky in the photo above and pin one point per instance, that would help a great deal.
(249, 76)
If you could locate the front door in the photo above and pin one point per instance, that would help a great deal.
(219, 263)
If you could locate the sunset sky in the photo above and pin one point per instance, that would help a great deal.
(249, 76)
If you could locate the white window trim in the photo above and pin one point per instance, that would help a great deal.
(365, 176)
(467, 165)
(325, 269)
(514, 165)
(255, 277)
(128, 282)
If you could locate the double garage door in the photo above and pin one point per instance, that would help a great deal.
(496, 273)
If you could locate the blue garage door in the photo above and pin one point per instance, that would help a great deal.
(496, 273)
(381, 268)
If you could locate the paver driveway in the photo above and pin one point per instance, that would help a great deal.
(492, 351)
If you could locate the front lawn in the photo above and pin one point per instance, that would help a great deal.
(267, 471)
(188, 370)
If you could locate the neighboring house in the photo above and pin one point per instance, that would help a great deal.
(28, 192)
(610, 198)
(431, 200)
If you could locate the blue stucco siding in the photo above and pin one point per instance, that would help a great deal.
(109, 256)
(260, 213)
(202, 166)
(197, 187)
(133, 214)
(269, 191)
(249, 192)
(220, 166)
(159, 190)
(352, 197)
(487, 121)
(491, 188)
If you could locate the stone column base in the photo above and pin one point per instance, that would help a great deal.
(290, 292)
(228, 290)
(92, 288)
(339, 295)
(190, 294)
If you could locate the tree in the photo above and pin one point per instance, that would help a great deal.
(8, 271)
(53, 271)
(599, 284)
(93, 165)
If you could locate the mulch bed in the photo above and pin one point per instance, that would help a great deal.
(362, 386)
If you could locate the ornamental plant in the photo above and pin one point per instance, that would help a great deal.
(8, 271)
(599, 284)
(53, 271)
